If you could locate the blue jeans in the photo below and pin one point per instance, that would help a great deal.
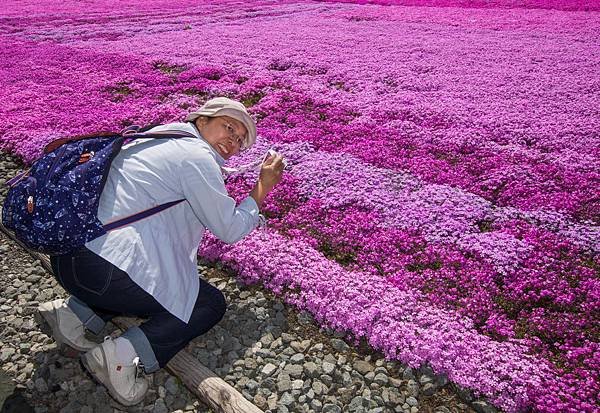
(100, 291)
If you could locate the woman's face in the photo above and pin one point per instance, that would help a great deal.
(226, 135)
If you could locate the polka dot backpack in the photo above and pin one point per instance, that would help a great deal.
(52, 207)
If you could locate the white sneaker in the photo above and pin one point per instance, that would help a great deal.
(121, 380)
(66, 327)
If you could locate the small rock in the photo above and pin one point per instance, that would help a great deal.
(408, 374)
(160, 407)
(41, 385)
(328, 368)
(331, 408)
(252, 385)
(293, 370)
(286, 399)
(162, 392)
(260, 401)
(358, 403)
(284, 383)
(412, 388)
(318, 387)
(428, 389)
(172, 386)
(6, 354)
(482, 407)
(412, 401)
(381, 379)
(268, 369)
(339, 345)
(363, 367)
(297, 358)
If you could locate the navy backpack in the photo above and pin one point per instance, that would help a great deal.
(52, 207)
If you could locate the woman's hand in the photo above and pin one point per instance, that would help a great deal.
(271, 173)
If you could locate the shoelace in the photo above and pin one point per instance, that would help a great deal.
(139, 367)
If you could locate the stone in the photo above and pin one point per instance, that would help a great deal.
(328, 368)
(412, 401)
(260, 401)
(172, 386)
(297, 358)
(160, 407)
(252, 385)
(326, 379)
(286, 399)
(41, 385)
(318, 387)
(162, 392)
(408, 374)
(358, 403)
(412, 388)
(482, 407)
(268, 369)
(428, 389)
(24, 348)
(272, 402)
(424, 379)
(362, 366)
(267, 339)
(396, 398)
(284, 383)
(331, 408)
(311, 368)
(6, 354)
(339, 345)
(278, 342)
(294, 370)
(381, 379)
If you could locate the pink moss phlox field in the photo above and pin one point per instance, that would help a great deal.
(573, 5)
(397, 322)
(515, 280)
(442, 197)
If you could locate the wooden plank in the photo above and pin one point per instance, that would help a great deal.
(206, 385)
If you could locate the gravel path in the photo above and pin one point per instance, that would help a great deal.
(275, 356)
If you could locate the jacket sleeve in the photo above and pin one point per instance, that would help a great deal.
(204, 189)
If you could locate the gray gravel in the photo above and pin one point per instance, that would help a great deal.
(276, 357)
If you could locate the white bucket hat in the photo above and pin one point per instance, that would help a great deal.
(223, 106)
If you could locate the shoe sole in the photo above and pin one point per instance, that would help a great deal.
(46, 319)
(99, 373)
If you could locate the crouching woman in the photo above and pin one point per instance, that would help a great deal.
(149, 267)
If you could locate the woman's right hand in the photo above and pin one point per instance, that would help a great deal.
(271, 171)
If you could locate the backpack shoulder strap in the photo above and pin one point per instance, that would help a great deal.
(59, 142)
(132, 132)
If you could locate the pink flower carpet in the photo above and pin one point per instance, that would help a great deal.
(443, 194)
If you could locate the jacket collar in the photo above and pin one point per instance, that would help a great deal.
(220, 160)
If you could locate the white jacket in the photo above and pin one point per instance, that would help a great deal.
(159, 253)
